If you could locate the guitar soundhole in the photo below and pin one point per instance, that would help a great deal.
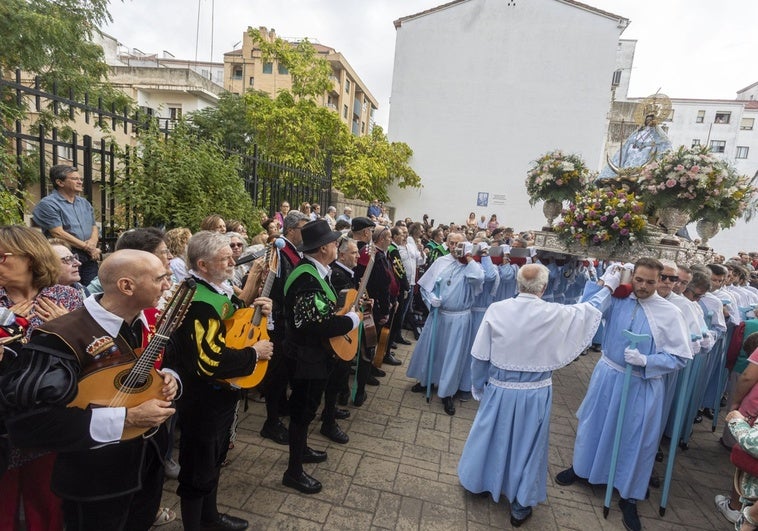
(123, 383)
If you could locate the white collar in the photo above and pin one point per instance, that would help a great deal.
(321, 268)
(110, 322)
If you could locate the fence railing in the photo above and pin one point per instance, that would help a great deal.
(267, 181)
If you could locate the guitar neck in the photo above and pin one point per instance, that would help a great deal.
(268, 284)
(364, 283)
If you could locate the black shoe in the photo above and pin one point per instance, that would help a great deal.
(403, 341)
(335, 433)
(276, 432)
(304, 483)
(698, 419)
(659, 456)
(463, 396)
(417, 333)
(372, 381)
(226, 522)
(516, 522)
(567, 477)
(342, 399)
(360, 398)
(708, 413)
(341, 414)
(630, 519)
(313, 456)
(447, 403)
(390, 359)
(377, 372)
(655, 482)
(393, 345)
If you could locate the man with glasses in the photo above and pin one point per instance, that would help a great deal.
(66, 215)
(666, 348)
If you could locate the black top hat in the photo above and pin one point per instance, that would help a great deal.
(361, 223)
(317, 233)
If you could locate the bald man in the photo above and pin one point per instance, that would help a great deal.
(104, 482)
(518, 345)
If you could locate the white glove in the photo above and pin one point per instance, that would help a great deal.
(707, 342)
(477, 394)
(355, 317)
(634, 357)
(468, 248)
(483, 246)
(434, 301)
(612, 278)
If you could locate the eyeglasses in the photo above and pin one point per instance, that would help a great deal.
(671, 278)
(4, 256)
(70, 260)
(235, 245)
(696, 296)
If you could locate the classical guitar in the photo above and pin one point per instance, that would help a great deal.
(346, 346)
(132, 380)
(384, 339)
(248, 325)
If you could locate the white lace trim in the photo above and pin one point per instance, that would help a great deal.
(450, 312)
(521, 385)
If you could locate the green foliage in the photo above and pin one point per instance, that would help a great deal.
(10, 206)
(300, 133)
(178, 181)
(310, 72)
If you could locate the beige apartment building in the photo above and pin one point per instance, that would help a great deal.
(244, 69)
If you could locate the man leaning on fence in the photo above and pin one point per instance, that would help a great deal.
(64, 214)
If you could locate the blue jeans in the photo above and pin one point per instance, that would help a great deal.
(519, 511)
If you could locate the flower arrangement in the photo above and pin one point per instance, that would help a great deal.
(684, 179)
(737, 197)
(600, 217)
(556, 176)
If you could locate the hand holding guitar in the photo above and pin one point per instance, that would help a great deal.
(170, 386)
(264, 349)
(149, 414)
(265, 303)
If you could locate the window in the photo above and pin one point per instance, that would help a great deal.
(742, 152)
(268, 68)
(363, 127)
(722, 117)
(282, 69)
(695, 142)
(718, 146)
(746, 124)
(65, 152)
(616, 80)
(347, 86)
(252, 81)
(700, 117)
(175, 111)
(236, 71)
(344, 111)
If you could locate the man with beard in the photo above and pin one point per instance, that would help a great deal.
(666, 349)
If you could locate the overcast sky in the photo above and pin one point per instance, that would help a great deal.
(687, 48)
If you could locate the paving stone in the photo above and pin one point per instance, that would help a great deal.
(436, 517)
(347, 518)
(307, 508)
(387, 510)
(376, 473)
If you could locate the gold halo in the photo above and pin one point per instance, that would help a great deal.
(657, 104)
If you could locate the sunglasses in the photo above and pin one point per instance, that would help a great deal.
(672, 278)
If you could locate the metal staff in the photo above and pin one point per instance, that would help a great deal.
(432, 343)
(682, 399)
(634, 339)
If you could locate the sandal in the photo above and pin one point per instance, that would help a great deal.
(164, 516)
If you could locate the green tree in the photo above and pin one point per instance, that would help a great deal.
(226, 123)
(177, 181)
(310, 72)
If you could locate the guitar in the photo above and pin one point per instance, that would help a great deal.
(129, 382)
(248, 325)
(346, 345)
(381, 347)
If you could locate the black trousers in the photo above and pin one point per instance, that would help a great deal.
(275, 384)
(131, 512)
(303, 403)
(336, 384)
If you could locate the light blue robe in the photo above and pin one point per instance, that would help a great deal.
(599, 410)
(638, 148)
(507, 288)
(506, 451)
(481, 302)
(458, 286)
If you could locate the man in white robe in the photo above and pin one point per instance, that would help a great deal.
(518, 345)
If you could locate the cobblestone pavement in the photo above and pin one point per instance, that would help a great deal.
(399, 471)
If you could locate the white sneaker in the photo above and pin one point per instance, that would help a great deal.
(172, 469)
(722, 504)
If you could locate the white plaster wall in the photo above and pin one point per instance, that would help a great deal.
(483, 88)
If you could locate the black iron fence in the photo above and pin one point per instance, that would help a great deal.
(96, 154)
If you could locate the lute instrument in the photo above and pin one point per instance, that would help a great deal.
(248, 325)
(346, 346)
(132, 380)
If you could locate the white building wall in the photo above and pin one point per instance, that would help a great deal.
(480, 89)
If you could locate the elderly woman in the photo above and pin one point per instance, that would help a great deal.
(69, 266)
(238, 245)
(176, 241)
(29, 272)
